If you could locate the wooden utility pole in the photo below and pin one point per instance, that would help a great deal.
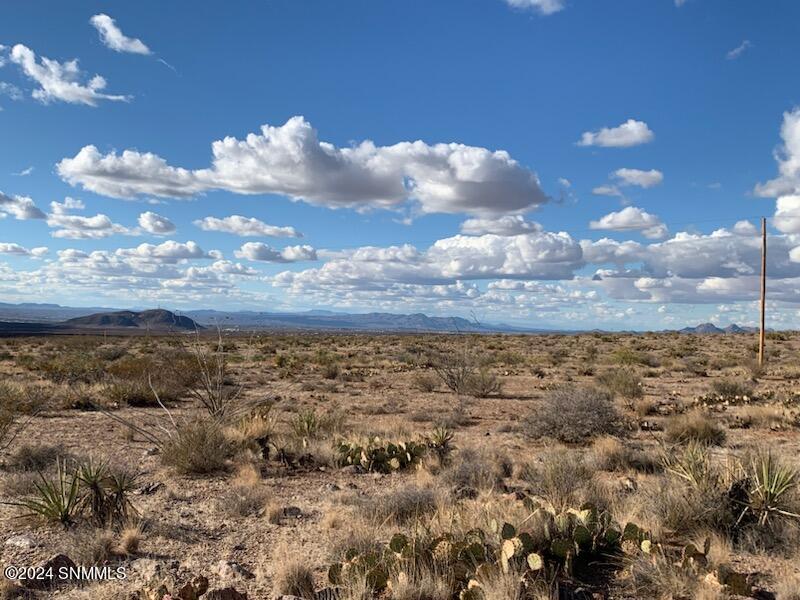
(762, 332)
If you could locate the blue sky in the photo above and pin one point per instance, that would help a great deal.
(545, 162)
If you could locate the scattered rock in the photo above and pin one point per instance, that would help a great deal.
(147, 568)
(228, 569)
(352, 470)
(227, 593)
(24, 542)
(292, 512)
(466, 493)
(650, 426)
(151, 488)
(200, 584)
(187, 592)
(53, 565)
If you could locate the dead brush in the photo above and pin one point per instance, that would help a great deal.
(214, 391)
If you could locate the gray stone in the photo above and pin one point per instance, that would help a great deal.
(228, 569)
(24, 542)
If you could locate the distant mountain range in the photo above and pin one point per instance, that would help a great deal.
(43, 318)
(706, 328)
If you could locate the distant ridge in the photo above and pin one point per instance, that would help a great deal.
(710, 328)
(327, 320)
(156, 320)
(16, 319)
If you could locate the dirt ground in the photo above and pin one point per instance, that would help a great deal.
(376, 385)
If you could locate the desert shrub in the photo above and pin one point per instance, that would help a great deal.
(311, 424)
(133, 379)
(111, 353)
(70, 367)
(644, 407)
(755, 370)
(477, 468)
(657, 576)
(482, 383)
(331, 370)
(624, 383)
(136, 393)
(627, 356)
(22, 398)
(557, 356)
(727, 389)
(559, 476)
(455, 370)
(424, 382)
(83, 396)
(401, 505)
(573, 414)
(40, 457)
(610, 454)
(696, 365)
(508, 357)
(694, 427)
(293, 578)
(197, 447)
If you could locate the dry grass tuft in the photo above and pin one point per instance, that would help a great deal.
(197, 447)
(246, 495)
(695, 427)
(292, 577)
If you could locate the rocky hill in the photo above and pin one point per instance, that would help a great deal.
(154, 320)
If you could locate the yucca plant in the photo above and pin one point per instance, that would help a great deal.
(692, 464)
(307, 424)
(91, 476)
(771, 484)
(56, 500)
(120, 484)
(440, 440)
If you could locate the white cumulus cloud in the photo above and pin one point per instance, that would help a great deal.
(630, 133)
(258, 251)
(60, 81)
(79, 227)
(21, 208)
(156, 224)
(112, 37)
(632, 218)
(290, 160)
(506, 225)
(637, 177)
(544, 7)
(245, 227)
(12, 248)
